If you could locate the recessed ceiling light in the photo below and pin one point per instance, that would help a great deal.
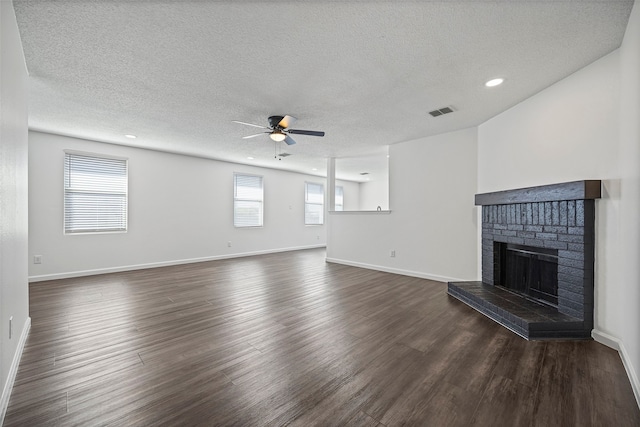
(249, 158)
(314, 169)
(494, 82)
(130, 136)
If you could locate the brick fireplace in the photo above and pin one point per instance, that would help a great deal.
(552, 227)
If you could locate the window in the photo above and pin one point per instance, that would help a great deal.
(339, 198)
(247, 200)
(95, 194)
(313, 203)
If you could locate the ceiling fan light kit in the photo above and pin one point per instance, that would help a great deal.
(277, 136)
(278, 129)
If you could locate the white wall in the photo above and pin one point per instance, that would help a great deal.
(180, 210)
(351, 194)
(14, 292)
(361, 196)
(374, 194)
(568, 131)
(432, 224)
(626, 296)
(572, 131)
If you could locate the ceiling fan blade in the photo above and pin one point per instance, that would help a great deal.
(250, 124)
(289, 141)
(254, 135)
(306, 132)
(287, 121)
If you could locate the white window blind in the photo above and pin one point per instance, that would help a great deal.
(247, 200)
(313, 203)
(95, 194)
(339, 198)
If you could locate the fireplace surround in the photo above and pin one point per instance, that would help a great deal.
(553, 226)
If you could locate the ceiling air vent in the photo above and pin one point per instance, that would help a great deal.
(364, 173)
(441, 111)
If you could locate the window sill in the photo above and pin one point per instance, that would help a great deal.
(84, 233)
(381, 212)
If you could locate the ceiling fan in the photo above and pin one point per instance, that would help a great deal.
(278, 129)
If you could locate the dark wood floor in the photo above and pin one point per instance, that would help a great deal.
(287, 339)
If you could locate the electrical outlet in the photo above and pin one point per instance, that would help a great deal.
(37, 259)
(228, 244)
(393, 254)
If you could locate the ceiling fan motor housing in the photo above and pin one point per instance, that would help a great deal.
(274, 120)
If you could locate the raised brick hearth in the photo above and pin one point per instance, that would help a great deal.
(558, 216)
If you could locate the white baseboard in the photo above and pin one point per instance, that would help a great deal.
(119, 269)
(13, 370)
(402, 272)
(616, 344)
(606, 339)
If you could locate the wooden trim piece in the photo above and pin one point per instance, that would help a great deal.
(382, 212)
(618, 345)
(575, 190)
(134, 267)
(13, 370)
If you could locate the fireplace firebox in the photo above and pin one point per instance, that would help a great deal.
(527, 270)
(538, 249)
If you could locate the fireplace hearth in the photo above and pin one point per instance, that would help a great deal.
(537, 260)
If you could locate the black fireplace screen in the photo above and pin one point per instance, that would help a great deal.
(527, 270)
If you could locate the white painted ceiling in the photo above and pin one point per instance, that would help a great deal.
(176, 73)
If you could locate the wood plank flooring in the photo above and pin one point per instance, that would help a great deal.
(287, 339)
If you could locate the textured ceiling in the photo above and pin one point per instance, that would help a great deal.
(176, 73)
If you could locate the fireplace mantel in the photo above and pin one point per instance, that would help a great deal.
(559, 217)
(575, 190)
